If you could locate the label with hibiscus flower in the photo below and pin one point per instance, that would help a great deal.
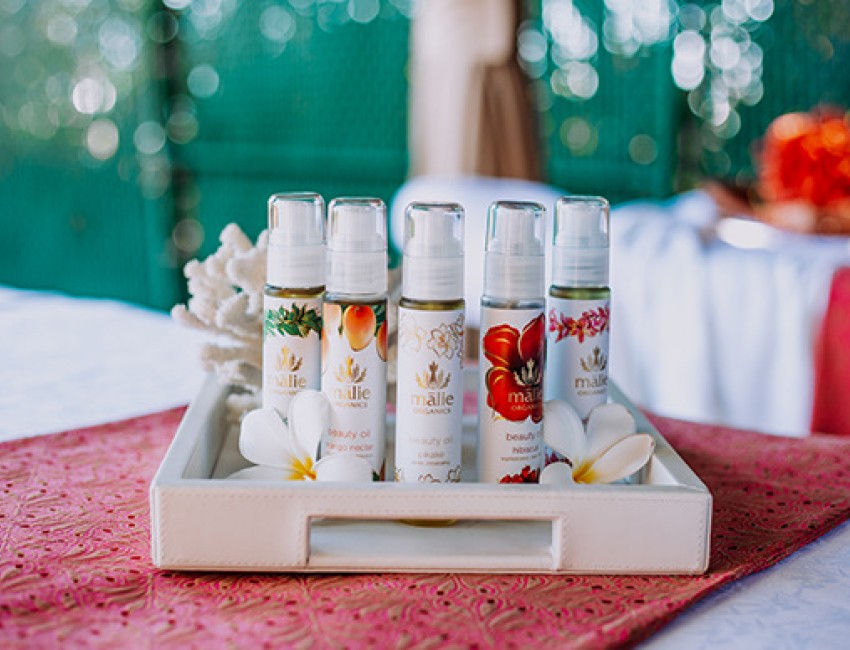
(577, 354)
(291, 354)
(354, 378)
(429, 397)
(510, 443)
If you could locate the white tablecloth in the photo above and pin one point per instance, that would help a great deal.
(802, 602)
(68, 363)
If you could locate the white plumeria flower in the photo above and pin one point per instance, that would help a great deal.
(609, 451)
(290, 452)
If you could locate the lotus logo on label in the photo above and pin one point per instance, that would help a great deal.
(433, 378)
(353, 375)
(287, 361)
(595, 365)
(287, 365)
(433, 399)
(594, 362)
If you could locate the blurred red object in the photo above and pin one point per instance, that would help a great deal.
(831, 408)
(804, 172)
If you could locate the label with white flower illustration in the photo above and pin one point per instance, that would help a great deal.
(577, 352)
(291, 348)
(429, 398)
(354, 378)
(510, 398)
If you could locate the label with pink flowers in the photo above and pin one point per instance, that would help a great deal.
(577, 352)
(510, 402)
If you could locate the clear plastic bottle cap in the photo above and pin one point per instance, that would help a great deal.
(357, 246)
(514, 258)
(296, 256)
(433, 252)
(580, 242)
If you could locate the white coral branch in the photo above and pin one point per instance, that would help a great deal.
(232, 238)
(236, 406)
(213, 354)
(249, 272)
(239, 373)
(226, 298)
(235, 318)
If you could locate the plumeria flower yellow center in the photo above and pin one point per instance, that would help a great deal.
(289, 449)
(608, 451)
(303, 470)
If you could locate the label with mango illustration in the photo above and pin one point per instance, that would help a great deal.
(354, 378)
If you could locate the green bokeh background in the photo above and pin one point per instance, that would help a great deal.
(312, 95)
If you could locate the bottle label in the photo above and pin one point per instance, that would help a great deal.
(577, 352)
(354, 378)
(510, 398)
(429, 397)
(291, 349)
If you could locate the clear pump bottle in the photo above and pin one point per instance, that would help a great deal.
(429, 412)
(354, 334)
(579, 304)
(510, 402)
(292, 301)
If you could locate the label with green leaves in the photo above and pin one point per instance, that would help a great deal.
(297, 320)
(292, 352)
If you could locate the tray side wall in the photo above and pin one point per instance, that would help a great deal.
(206, 524)
(553, 530)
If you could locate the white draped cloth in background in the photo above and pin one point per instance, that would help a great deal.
(708, 330)
(469, 109)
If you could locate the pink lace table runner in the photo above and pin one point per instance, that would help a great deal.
(75, 562)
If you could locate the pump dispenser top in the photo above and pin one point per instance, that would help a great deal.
(581, 242)
(433, 252)
(514, 251)
(296, 255)
(357, 246)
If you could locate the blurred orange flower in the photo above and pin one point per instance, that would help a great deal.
(805, 171)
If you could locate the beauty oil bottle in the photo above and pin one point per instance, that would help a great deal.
(429, 402)
(579, 304)
(354, 334)
(510, 401)
(292, 301)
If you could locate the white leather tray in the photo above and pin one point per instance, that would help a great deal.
(200, 521)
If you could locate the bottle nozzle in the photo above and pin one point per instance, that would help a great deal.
(514, 251)
(357, 246)
(580, 243)
(296, 256)
(433, 252)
